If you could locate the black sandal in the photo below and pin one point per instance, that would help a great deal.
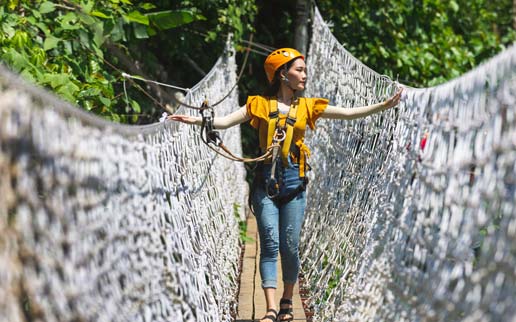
(286, 311)
(273, 318)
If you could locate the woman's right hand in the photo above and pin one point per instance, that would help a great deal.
(183, 118)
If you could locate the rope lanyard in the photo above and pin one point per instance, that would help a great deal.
(285, 132)
(210, 137)
(202, 107)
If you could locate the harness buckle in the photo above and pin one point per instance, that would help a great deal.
(291, 121)
(273, 115)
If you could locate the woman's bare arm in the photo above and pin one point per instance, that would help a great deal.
(222, 123)
(333, 112)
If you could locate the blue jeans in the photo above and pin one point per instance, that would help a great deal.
(279, 227)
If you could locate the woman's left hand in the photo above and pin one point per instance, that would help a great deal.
(394, 100)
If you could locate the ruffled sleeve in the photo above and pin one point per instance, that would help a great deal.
(316, 107)
(257, 108)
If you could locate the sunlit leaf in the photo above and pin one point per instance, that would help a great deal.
(47, 7)
(88, 6)
(147, 6)
(454, 6)
(56, 80)
(136, 16)
(18, 60)
(99, 14)
(136, 107)
(50, 43)
(68, 91)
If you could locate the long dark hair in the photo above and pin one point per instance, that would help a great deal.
(274, 86)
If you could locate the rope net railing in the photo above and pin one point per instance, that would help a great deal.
(412, 215)
(105, 222)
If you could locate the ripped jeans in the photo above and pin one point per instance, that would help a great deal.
(279, 227)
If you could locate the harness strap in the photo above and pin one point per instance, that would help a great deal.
(273, 120)
(287, 128)
(289, 125)
(291, 195)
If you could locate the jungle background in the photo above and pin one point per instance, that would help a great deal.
(79, 48)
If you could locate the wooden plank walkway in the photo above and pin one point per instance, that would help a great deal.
(251, 300)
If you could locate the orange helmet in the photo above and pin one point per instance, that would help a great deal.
(278, 58)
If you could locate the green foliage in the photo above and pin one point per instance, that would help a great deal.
(78, 48)
(242, 225)
(196, 47)
(61, 46)
(426, 42)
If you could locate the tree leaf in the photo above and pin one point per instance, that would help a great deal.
(138, 17)
(105, 101)
(16, 59)
(47, 7)
(99, 14)
(69, 22)
(26, 74)
(55, 80)
(50, 43)
(43, 27)
(170, 19)
(88, 6)
(454, 6)
(68, 91)
(117, 32)
(147, 6)
(99, 52)
(88, 20)
(151, 31)
(88, 105)
(140, 31)
(136, 107)
(98, 36)
(90, 92)
(9, 30)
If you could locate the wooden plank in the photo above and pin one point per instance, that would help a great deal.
(251, 298)
(247, 279)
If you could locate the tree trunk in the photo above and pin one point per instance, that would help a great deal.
(301, 31)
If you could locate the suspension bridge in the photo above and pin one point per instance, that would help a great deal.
(411, 213)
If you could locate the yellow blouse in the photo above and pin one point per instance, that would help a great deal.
(309, 110)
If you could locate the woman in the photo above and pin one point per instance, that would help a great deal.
(278, 194)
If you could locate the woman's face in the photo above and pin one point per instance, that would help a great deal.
(296, 75)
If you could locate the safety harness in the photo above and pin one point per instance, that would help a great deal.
(279, 145)
(279, 136)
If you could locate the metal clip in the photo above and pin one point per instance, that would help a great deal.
(279, 135)
(208, 115)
